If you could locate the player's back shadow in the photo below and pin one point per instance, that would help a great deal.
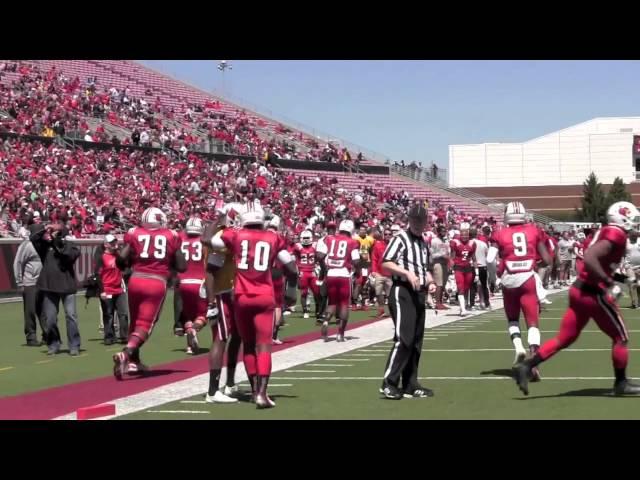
(499, 372)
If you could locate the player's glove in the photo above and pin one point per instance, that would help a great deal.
(615, 291)
(212, 313)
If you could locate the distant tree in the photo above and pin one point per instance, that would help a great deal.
(617, 193)
(594, 204)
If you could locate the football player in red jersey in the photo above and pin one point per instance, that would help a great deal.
(152, 250)
(305, 254)
(463, 252)
(593, 295)
(254, 251)
(194, 307)
(338, 256)
(519, 245)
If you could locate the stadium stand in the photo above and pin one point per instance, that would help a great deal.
(96, 141)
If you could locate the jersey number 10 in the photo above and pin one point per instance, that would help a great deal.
(260, 257)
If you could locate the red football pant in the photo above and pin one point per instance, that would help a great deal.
(254, 320)
(582, 307)
(192, 305)
(146, 296)
(579, 265)
(339, 291)
(225, 326)
(525, 297)
(464, 281)
(306, 282)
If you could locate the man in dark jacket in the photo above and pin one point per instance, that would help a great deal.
(57, 281)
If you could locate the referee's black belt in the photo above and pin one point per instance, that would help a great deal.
(408, 286)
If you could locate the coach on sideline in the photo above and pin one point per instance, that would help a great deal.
(407, 258)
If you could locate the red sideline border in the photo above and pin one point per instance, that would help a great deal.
(57, 401)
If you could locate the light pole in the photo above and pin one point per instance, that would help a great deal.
(223, 66)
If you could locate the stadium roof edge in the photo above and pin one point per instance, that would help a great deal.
(546, 134)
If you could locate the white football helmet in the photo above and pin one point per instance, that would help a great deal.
(153, 218)
(515, 213)
(252, 214)
(623, 214)
(274, 222)
(306, 238)
(581, 236)
(231, 212)
(195, 226)
(465, 226)
(346, 226)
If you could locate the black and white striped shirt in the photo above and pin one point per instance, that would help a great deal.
(409, 252)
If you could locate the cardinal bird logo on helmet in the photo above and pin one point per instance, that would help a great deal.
(624, 211)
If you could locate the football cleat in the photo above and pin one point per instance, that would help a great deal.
(219, 397)
(277, 341)
(418, 392)
(625, 387)
(263, 401)
(305, 316)
(230, 391)
(392, 393)
(119, 365)
(535, 375)
(521, 373)
(192, 341)
(339, 338)
(324, 330)
(189, 351)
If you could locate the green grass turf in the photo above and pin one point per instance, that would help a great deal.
(488, 398)
(26, 369)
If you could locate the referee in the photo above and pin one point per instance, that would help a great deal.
(407, 258)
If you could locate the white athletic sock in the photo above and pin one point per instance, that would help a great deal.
(514, 333)
(533, 336)
(462, 303)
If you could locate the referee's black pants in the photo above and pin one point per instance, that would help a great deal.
(407, 309)
(482, 274)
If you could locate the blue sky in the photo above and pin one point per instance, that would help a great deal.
(413, 110)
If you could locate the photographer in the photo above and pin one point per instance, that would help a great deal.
(57, 281)
(113, 296)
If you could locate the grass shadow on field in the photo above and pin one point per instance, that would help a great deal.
(155, 373)
(499, 372)
(584, 392)
(246, 397)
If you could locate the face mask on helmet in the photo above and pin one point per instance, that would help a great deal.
(306, 238)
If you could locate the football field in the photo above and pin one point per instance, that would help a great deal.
(467, 362)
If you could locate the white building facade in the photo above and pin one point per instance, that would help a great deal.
(610, 147)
